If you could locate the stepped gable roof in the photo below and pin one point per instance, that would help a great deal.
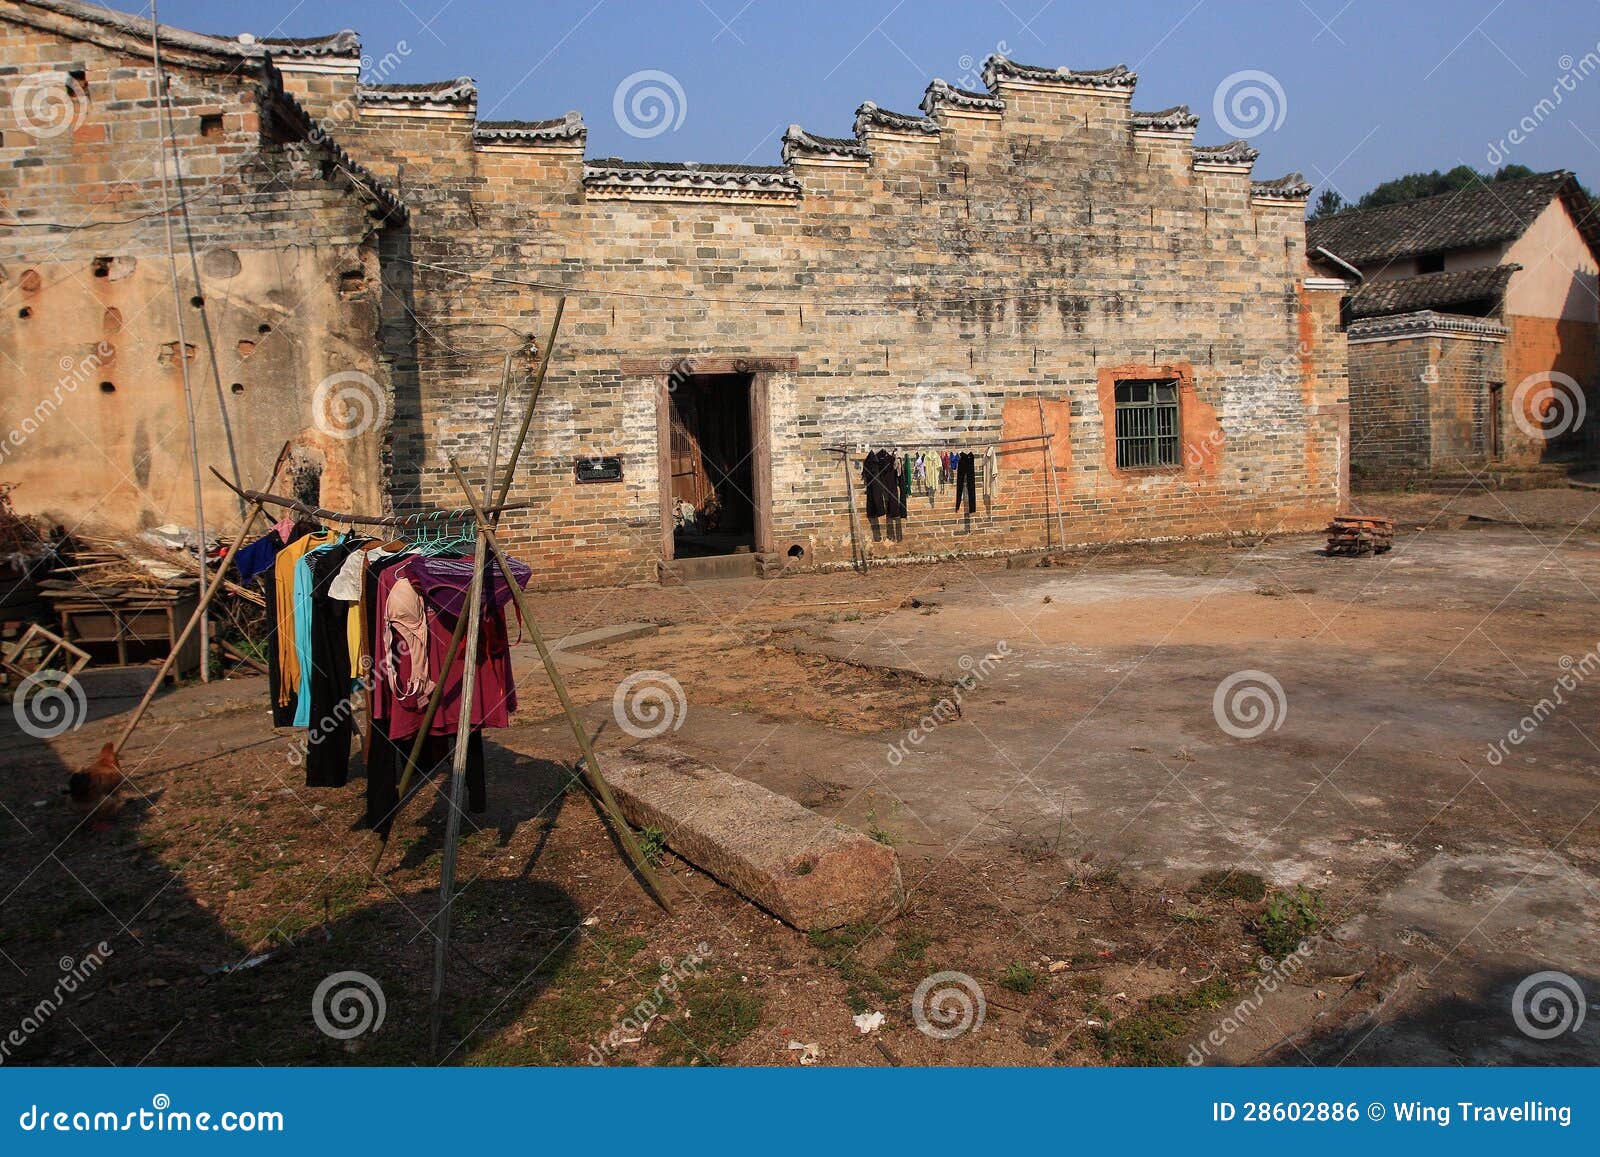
(1290, 186)
(1232, 153)
(940, 92)
(1178, 118)
(797, 141)
(567, 128)
(1116, 78)
(870, 116)
(460, 91)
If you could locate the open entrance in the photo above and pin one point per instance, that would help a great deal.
(712, 465)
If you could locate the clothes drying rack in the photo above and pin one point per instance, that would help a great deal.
(859, 558)
(484, 516)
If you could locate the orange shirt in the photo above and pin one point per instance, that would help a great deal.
(283, 588)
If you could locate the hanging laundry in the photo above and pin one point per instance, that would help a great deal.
(344, 616)
(966, 482)
(283, 571)
(880, 479)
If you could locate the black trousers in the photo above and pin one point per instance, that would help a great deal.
(281, 716)
(386, 756)
(966, 482)
(332, 701)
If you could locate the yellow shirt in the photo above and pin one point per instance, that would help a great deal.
(283, 587)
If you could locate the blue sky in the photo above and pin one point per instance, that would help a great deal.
(1369, 89)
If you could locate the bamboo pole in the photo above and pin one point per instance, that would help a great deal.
(324, 515)
(198, 616)
(456, 638)
(591, 764)
(533, 399)
(1055, 487)
(473, 614)
(164, 107)
(1050, 471)
(858, 552)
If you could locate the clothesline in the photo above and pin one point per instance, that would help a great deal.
(965, 445)
(458, 514)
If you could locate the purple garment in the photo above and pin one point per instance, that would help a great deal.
(444, 582)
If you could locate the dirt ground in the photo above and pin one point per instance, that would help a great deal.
(1113, 873)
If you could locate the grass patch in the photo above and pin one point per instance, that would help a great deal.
(1018, 977)
(1233, 884)
(1288, 919)
(652, 843)
(719, 1012)
(1147, 1036)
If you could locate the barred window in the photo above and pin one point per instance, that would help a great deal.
(1147, 424)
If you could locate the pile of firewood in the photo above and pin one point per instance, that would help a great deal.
(1358, 534)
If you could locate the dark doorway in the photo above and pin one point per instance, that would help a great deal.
(712, 465)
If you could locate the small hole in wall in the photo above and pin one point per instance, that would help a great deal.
(211, 125)
(263, 328)
(102, 266)
(25, 312)
(797, 551)
(197, 301)
(237, 387)
(107, 388)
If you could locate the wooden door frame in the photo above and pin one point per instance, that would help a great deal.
(664, 371)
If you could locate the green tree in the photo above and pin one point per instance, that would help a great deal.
(1414, 186)
(1329, 202)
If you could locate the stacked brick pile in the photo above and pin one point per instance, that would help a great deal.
(1355, 534)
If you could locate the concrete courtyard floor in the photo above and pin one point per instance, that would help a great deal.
(1383, 689)
(1062, 834)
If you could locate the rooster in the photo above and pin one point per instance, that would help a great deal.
(95, 791)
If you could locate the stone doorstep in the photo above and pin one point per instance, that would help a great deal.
(808, 871)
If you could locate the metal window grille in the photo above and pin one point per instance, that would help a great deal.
(1147, 424)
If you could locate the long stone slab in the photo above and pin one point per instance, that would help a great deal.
(615, 633)
(808, 871)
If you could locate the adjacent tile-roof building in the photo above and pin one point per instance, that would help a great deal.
(1470, 218)
(1470, 291)
(1473, 334)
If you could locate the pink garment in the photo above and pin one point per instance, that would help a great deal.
(284, 527)
(495, 696)
(406, 631)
